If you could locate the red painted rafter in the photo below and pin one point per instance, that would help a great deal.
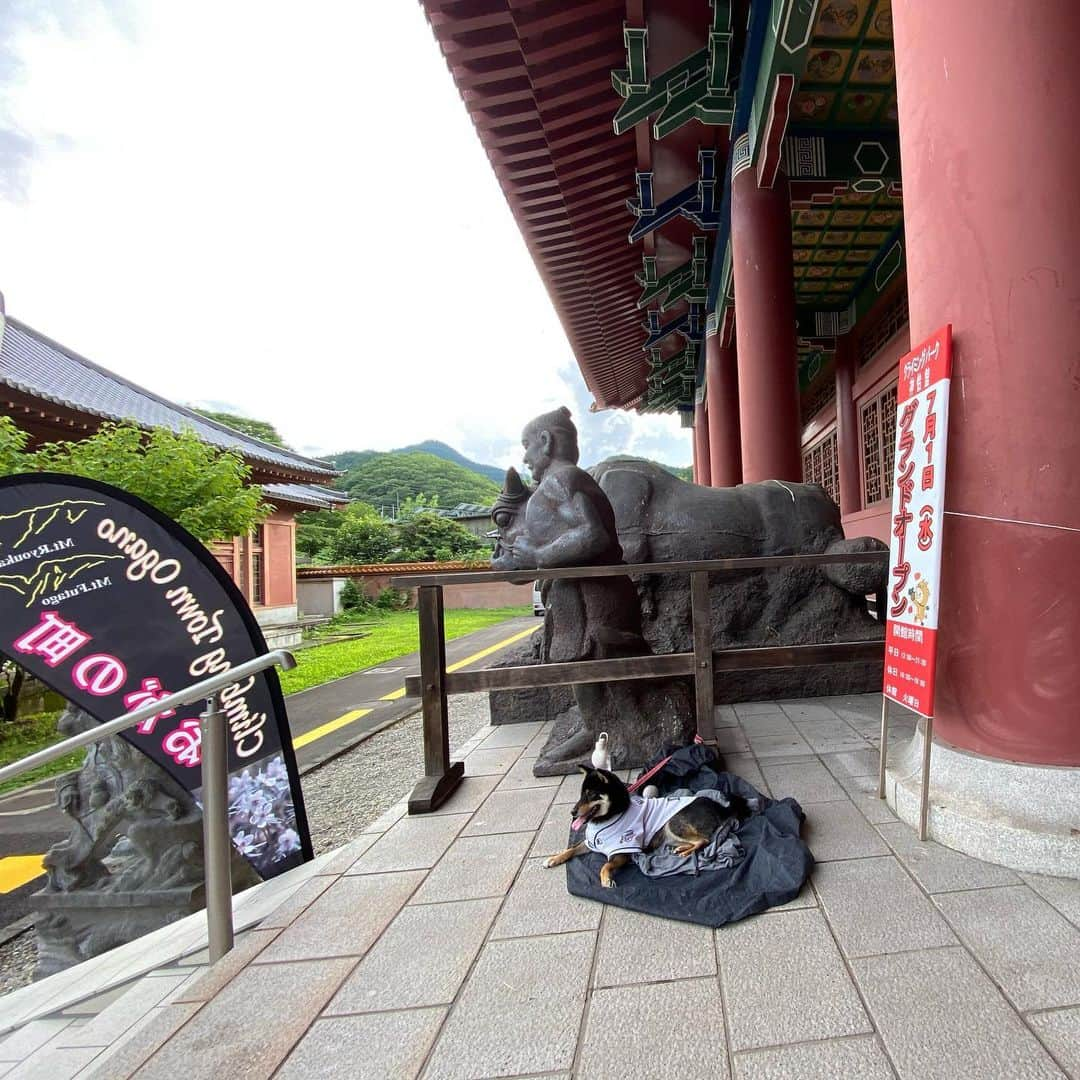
(535, 77)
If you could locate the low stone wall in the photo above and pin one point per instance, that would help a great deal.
(315, 585)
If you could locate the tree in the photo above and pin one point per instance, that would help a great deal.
(259, 429)
(314, 531)
(202, 488)
(363, 536)
(426, 537)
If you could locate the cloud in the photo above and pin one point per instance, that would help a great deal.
(19, 20)
(285, 216)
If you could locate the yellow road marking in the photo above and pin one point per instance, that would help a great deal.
(326, 729)
(400, 691)
(334, 725)
(17, 870)
(491, 649)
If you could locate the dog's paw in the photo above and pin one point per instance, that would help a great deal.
(550, 863)
(607, 884)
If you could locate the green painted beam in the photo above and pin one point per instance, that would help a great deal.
(688, 282)
(642, 100)
(696, 88)
(791, 24)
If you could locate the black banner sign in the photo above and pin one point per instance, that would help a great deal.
(113, 605)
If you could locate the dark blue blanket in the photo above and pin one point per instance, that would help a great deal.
(775, 866)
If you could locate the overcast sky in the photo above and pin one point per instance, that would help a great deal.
(280, 210)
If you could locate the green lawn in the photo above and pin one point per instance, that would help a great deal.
(25, 736)
(393, 634)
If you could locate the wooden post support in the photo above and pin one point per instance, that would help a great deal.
(441, 775)
(703, 655)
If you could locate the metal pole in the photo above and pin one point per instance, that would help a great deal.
(217, 844)
(924, 794)
(884, 748)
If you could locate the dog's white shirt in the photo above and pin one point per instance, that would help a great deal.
(633, 830)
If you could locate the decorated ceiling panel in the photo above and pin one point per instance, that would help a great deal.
(835, 241)
(850, 76)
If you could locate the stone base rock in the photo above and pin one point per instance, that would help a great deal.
(652, 716)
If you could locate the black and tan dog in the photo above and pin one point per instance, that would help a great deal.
(634, 824)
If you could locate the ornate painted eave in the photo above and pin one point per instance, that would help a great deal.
(615, 129)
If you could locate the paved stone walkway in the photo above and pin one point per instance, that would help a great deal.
(437, 946)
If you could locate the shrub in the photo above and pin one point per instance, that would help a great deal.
(353, 598)
(392, 600)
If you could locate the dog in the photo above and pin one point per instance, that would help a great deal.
(635, 824)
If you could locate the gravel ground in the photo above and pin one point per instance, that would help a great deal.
(341, 797)
(17, 960)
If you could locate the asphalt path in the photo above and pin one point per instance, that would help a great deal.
(325, 721)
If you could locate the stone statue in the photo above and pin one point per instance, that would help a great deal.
(567, 520)
(133, 860)
(660, 518)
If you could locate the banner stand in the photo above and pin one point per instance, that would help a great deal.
(911, 626)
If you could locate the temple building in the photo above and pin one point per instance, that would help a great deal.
(747, 211)
(57, 395)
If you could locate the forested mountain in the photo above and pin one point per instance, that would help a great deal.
(259, 429)
(387, 480)
(430, 469)
(448, 453)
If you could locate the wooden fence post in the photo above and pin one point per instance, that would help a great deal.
(441, 776)
(703, 655)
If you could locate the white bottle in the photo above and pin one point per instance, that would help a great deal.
(601, 758)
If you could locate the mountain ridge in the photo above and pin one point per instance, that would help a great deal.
(349, 461)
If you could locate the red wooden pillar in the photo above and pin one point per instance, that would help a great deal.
(765, 329)
(703, 468)
(993, 232)
(848, 447)
(722, 387)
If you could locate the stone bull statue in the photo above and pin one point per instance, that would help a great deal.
(660, 518)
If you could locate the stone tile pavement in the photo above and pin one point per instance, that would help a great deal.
(440, 947)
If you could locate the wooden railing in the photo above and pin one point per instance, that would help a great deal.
(434, 683)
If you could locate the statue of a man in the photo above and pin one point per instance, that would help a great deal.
(567, 520)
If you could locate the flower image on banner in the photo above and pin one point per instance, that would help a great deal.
(262, 819)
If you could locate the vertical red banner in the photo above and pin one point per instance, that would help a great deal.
(922, 422)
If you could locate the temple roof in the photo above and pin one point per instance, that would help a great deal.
(614, 128)
(309, 495)
(41, 368)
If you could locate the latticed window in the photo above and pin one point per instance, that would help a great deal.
(879, 445)
(821, 466)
